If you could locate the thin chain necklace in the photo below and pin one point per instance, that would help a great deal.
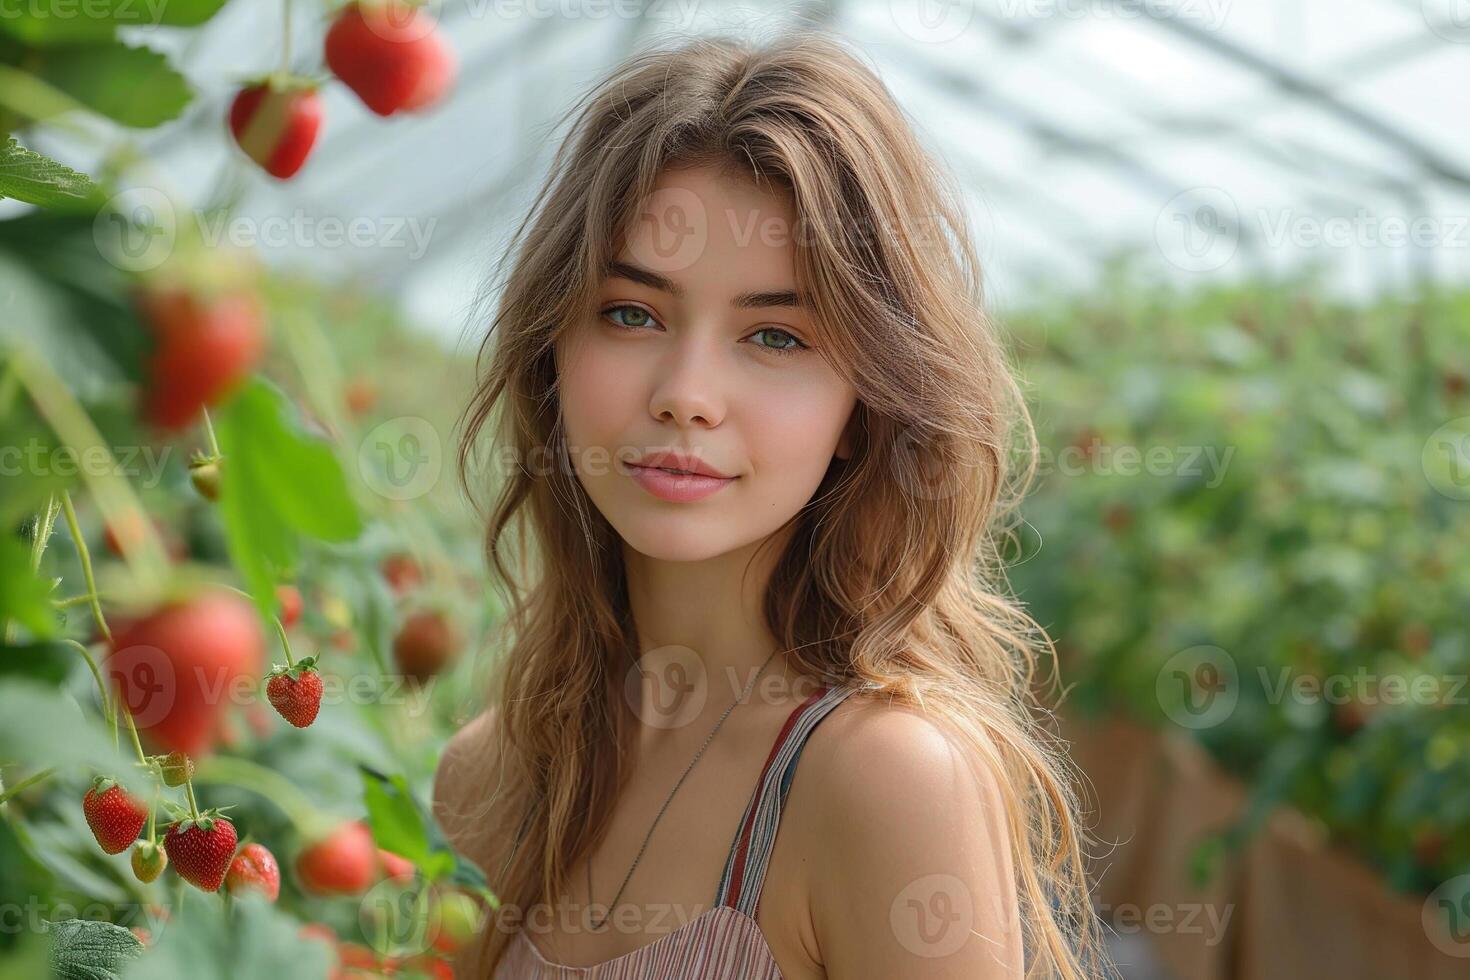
(646, 837)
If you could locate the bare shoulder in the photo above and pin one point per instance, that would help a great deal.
(465, 783)
(911, 871)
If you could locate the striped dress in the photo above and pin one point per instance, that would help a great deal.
(724, 943)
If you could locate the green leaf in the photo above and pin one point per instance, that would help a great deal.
(85, 949)
(42, 726)
(278, 482)
(47, 662)
(96, 20)
(256, 942)
(397, 824)
(24, 596)
(134, 86)
(30, 177)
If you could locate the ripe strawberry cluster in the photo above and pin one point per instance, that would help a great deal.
(386, 51)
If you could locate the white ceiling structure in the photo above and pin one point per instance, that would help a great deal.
(1212, 138)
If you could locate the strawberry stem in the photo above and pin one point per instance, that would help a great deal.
(127, 714)
(286, 38)
(193, 804)
(107, 707)
(209, 434)
(275, 621)
(86, 559)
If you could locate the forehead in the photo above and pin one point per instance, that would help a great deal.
(714, 232)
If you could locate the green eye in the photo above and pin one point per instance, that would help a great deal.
(778, 341)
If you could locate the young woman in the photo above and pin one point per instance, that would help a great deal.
(759, 434)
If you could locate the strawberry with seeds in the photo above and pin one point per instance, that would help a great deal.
(254, 867)
(295, 690)
(115, 817)
(201, 848)
(148, 860)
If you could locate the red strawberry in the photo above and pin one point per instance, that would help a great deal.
(276, 126)
(424, 644)
(205, 345)
(296, 692)
(395, 867)
(201, 849)
(402, 572)
(390, 54)
(291, 605)
(254, 867)
(342, 863)
(114, 816)
(176, 667)
(148, 860)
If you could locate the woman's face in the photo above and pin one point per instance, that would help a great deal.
(698, 344)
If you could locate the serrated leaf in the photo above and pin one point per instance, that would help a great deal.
(132, 85)
(30, 177)
(84, 949)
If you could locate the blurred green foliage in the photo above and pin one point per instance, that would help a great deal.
(1264, 494)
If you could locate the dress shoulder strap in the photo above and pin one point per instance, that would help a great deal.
(745, 868)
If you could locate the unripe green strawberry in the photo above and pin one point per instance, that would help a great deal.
(177, 768)
(149, 860)
(254, 867)
(114, 816)
(296, 692)
(205, 475)
(201, 849)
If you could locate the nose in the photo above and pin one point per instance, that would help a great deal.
(688, 390)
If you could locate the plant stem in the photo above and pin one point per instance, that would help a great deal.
(286, 38)
(43, 532)
(127, 713)
(69, 420)
(107, 708)
(30, 781)
(275, 621)
(193, 803)
(86, 558)
(209, 434)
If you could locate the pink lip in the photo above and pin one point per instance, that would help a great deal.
(676, 487)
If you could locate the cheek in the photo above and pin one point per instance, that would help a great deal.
(795, 429)
(594, 393)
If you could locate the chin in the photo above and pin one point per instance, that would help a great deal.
(673, 539)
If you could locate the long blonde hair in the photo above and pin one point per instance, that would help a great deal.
(893, 573)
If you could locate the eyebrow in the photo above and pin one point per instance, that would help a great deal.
(745, 301)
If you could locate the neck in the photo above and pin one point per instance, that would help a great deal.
(703, 638)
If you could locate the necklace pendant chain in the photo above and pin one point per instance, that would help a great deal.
(648, 836)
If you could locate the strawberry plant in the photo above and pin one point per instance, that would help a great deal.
(190, 506)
